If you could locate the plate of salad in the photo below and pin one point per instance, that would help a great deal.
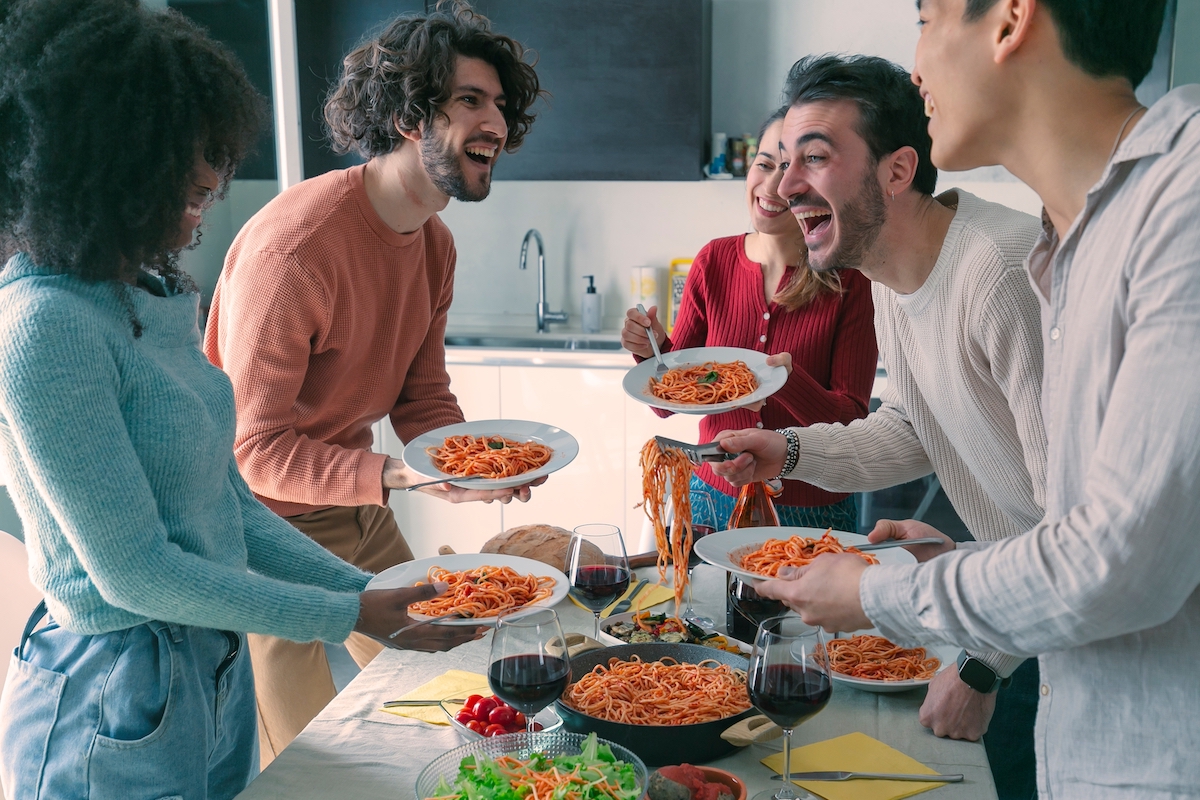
(511, 767)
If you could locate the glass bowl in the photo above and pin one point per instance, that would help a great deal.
(558, 743)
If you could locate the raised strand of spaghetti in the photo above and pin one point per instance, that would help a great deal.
(663, 471)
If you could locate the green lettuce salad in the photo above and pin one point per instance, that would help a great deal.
(594, 774)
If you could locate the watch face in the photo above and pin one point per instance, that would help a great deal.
(977, 675)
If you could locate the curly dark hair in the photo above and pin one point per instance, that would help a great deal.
(104, 107)
(401, 77)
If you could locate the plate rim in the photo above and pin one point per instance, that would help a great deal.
(561, 588)
(725, 563)
(418, 460)
(633, 387)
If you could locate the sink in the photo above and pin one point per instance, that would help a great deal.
(532, 343)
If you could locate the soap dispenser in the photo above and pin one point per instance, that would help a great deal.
(590, 307)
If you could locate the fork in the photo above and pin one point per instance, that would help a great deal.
(662, 366)
(697, 453)
(873, 776)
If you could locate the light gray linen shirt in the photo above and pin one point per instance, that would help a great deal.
(1104, 590)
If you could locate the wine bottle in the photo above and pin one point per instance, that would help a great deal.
(744, 608)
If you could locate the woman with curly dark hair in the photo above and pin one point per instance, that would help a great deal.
(118, 125)
(331, 311)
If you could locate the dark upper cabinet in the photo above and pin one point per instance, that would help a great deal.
(629, 82)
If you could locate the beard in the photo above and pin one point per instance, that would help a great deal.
(445, 169)
(859, 223)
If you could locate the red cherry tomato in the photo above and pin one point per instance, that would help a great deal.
(476, 726)
(502, 715)
(518, 720)
(472, 700)
(494, 730)
(464, 716)
(483, 708)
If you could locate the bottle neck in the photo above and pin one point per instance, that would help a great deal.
(754, 508)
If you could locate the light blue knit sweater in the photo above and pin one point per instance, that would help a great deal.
(121, 455)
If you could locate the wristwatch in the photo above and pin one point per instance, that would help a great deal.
(978, 675)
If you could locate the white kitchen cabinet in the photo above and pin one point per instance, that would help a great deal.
(579, 392)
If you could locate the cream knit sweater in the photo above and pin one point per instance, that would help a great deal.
(964, 360)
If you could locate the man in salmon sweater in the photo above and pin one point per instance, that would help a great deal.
(331, 310)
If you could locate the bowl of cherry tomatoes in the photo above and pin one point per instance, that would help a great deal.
(485, 716)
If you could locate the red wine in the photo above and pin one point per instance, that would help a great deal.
(788, 693)
(698, 532)
(746, 608)
(529, 683)
(598, 586)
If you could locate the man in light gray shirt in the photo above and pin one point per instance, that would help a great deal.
(1105, 589)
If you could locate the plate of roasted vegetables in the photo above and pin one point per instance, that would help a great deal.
(644, 627)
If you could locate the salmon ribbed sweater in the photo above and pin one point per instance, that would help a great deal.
(327, 320)
(831, 339)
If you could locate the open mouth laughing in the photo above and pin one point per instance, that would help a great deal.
(482, 154)
(814, 222)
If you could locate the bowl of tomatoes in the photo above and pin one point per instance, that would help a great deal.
(483, 716)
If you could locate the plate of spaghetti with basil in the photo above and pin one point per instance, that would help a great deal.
(705, 380)
(868, 661)
(482, 586)
(491, 453)
(756, 554)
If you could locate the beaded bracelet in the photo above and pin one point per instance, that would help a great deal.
(793, 450)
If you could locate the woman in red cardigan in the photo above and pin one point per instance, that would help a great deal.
(756, 291)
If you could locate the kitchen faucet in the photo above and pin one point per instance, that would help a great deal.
(544, 315)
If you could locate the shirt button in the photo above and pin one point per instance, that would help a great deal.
(767, 315)
(758, 424)
(1055, 333)
(763, 338)
(1045, 690)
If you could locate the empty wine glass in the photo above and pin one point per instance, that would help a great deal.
(704, 522)
(598, 567)
(789, 681)
(529, 666)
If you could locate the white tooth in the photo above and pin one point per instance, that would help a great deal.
(809, 214)
(928, 106)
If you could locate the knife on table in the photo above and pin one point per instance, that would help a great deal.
(627, 603)
(870, 776)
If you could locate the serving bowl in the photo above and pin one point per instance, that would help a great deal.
(559, 743)
(656, 744)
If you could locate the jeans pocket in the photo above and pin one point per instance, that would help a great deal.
(139, 695)
(29, 709)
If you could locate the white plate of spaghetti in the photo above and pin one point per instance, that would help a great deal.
(481, 585)
(866, 660)
(492, 453)
(705, 380)
(756, 553)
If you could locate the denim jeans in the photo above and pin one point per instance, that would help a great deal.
(841, 516)
(154, 711)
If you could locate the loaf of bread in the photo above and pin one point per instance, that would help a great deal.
(545, 543)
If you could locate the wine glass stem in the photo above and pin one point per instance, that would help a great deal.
(596, 630)
(786, 792)
(687, 612)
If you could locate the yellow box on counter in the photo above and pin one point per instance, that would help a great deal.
(676, 279)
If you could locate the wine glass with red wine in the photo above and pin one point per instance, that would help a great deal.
(598, 567)
(704, 522)
(788, 681)
(529, 666)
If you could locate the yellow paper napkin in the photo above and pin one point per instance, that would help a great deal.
(650, 596)
(455, 683)
(855, 752)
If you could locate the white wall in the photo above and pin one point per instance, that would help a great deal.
(605, 228)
